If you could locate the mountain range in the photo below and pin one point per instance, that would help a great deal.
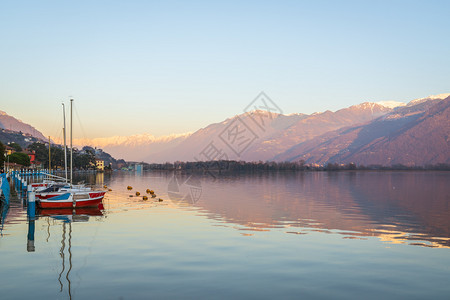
(416, 134)
(384, 133)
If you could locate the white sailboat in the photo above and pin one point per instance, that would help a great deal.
(65, 195)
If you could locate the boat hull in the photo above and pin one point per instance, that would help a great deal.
(43, 196)
(94, 200)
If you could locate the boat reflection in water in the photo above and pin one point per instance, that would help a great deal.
(67, 216)
(72, 215)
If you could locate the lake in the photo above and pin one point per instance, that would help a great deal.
(311, 235)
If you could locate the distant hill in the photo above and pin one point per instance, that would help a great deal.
(10, 123)
(415, 134)
(279, 133)
(14, 130)
(133, 148)
(23, 139)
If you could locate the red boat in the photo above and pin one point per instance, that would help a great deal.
(57, 189)
(73, 200)
(65, 195)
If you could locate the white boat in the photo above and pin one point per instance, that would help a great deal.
(58, 194)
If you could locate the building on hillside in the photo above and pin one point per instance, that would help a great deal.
(31, 155)
(34, 164)
(100, 164)
(9, 150)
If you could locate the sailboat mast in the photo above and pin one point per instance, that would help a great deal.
(65, 146)
(49, 156)
(71, 152)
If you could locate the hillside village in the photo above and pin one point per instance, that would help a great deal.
(22, 150)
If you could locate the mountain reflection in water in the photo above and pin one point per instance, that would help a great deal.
(398, 207)
(265, 236)
(66, 217)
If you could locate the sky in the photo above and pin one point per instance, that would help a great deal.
(163, 67)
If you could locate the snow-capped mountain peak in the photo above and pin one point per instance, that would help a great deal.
(137, 139)
(431, 97)
(391, 104)
(440, 96)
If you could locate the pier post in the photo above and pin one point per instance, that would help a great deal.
(31, 203)
(31, 209)
(16, 186)
(30, 236)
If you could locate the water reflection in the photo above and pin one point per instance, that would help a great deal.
(396, 207)
(65, 216)
(275, 235)
(3, 214)
(72, 215)
(15, 213)
(62, 253)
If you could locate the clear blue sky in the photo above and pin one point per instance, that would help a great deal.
(164, 67)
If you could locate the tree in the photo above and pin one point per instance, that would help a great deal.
(41, 152)
(332, 167)
(16, 147)
(351, 166)
(83, 161)
(20, 158)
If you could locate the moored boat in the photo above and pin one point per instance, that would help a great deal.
(57, 189)
(73, 200)
(57, 194)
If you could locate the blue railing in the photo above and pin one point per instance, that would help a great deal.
(4, 186)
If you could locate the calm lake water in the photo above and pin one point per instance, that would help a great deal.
(313, 235)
